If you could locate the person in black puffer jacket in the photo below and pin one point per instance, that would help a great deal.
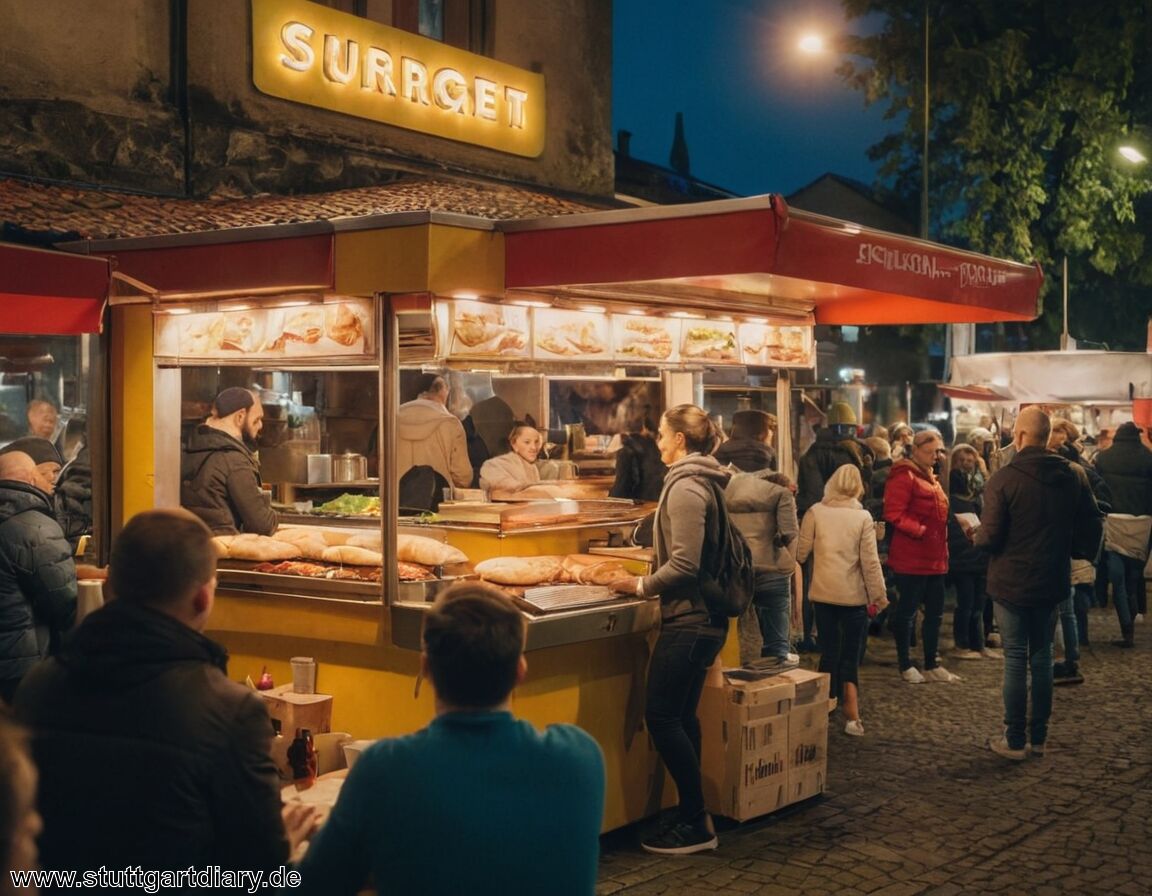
(639, 473)
(149, 756)
(1127, 468)
(37, 575)
(967, 566)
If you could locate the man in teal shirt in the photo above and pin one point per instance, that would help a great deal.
(478, 802)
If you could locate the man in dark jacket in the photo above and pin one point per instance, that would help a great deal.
(37, 575)
(219, 478)
(750, 447)
(1127, 469)
(1038, 511)
(149, 756)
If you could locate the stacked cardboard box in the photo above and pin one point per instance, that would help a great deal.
(764, 743)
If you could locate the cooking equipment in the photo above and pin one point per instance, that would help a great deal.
(349, 467)
(319, 468)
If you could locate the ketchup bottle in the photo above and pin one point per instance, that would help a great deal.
(302, 758)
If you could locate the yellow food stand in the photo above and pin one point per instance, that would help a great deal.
(331, 320)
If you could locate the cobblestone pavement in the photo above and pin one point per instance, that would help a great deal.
(919, 805)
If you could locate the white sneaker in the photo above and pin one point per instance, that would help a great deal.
(963, 653)
(912, 675)
(1139, 617)
(939, 673)
(854, 727)
(792, 659)
(992, 653)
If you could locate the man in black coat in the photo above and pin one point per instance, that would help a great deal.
(219, 477)
(1039, 512)
(1127, 469)
(148, 755)
(37, 574)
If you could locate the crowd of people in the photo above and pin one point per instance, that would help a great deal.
(146, 754)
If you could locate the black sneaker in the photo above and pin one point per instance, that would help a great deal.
(683, 839)
(1069, 673)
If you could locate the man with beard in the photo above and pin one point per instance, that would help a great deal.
(219, 476)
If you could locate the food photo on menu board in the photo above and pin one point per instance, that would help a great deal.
(777, 346)
(492, 330)
(709, 341)
(645, 338)
(334, 328)
(569, 334)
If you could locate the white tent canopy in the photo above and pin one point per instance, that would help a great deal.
(1076, 377)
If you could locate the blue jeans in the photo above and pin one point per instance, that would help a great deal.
(913, 591)
(680, 662)
(1121, 571)
(841, 631)
(773, 609)
(968, 620)
(1082, 598)
(1067, 610)
(1027, 637)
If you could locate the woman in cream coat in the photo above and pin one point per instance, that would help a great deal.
(847, 582)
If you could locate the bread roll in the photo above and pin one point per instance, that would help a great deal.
(428, 551)
(309, 542)
(371, 542)
(352, 555)
(260, 547)
(593, 569)
(222, 542)
(520, 570)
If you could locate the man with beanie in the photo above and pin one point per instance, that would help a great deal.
(44, 455)
(37, 575)
(219, 476)
(1127, 469)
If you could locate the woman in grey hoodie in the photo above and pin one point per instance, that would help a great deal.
(690, 635)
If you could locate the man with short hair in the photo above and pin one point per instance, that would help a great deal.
(42, 419)
(478, 802)
(37, 574)
(219, 476)
(149, 755)
(1037, 510)
(428, 433)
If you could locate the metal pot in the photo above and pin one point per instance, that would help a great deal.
(349, 467)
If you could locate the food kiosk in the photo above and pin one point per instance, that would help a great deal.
(331, 321)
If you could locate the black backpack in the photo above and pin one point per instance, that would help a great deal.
(729, 590)
(421, 490)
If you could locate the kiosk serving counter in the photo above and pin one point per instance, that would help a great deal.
(331, 320)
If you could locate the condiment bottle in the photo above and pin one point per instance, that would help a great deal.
(302, 758)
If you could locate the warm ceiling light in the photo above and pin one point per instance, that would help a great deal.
(1132, 154)
(531, 303)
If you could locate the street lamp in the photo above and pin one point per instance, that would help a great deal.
(1133, 155)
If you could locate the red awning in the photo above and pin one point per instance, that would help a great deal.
(50, 293)
(759, 255)
(198, 267)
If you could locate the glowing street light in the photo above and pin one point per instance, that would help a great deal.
(811, 43)
(1132, 154)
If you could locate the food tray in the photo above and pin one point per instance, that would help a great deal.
(565, 597)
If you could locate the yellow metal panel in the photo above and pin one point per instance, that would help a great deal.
(597, 685)
(460, 258)
(130, 375)
(390, 260)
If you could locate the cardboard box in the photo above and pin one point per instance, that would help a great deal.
(807, 750)
(744, 742)
(811, 687)
(292, 710)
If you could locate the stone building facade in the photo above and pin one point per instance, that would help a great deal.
(158, 96)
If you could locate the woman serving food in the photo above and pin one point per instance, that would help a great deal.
(515, 469)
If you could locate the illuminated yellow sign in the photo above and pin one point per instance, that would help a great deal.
(315, 55)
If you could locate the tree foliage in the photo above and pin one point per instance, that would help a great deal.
(1029, 102)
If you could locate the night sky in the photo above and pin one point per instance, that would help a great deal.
(759, 116)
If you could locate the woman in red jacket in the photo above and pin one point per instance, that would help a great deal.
(916, 508)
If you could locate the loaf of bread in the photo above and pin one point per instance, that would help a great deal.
(592, 569)
(259, 547)
(352, 555)
(309, 542)
(222, 542)
(428, 551)
(520, 570)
